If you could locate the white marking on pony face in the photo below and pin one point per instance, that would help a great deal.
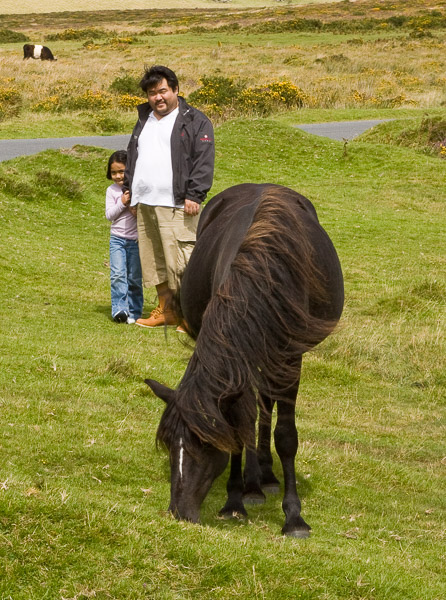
(37, 51)
(180, 465)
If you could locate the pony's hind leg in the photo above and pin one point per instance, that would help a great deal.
(234, 504)
(268, 481)
(252, 492)
(286, 441)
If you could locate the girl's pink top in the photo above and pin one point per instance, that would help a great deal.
(123, 222)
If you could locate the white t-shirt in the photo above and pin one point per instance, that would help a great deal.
(153, 177)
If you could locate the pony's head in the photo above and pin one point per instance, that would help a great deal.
(194, 463)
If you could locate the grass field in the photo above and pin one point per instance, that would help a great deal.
(83, 491)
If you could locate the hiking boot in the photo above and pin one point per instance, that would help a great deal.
(158, 317)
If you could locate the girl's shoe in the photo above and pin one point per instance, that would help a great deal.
(120, 317)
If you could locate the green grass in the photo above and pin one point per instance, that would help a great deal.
(85, 124)
(83, 490)
(77, 124)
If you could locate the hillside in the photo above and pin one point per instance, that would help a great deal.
(83, 490)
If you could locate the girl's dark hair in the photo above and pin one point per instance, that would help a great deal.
(120, 156)
(157, 73)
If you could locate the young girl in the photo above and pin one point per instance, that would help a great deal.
(125, 267)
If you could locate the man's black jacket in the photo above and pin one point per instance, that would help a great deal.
(192, 151)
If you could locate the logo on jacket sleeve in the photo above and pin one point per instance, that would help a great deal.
(205, 138)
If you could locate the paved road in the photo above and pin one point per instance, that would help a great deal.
(342, 130)
(13, 148)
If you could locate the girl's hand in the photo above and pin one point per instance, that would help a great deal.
(125, 198)
(132, 209)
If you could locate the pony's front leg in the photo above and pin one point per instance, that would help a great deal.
(234, 504)
(286, 441)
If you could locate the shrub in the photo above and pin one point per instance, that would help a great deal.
(397, 20)
(429, 135)
(12, 184)
(8, 36)
(49, 104)
(258, 100)
(263, 100)
(121, 42)
(62, 185)
(290, 94)
(289, 25)
(78, 34)
(334, 62)
(294, 59)
(106, 122)
(10, 102)
(394, 101)
(90, 99)
(218, 93)
(435, 128)
(128, 101)
(90, 45)
(218, 90)
(126, 84)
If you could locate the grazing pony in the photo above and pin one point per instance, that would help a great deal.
(36, 51)
(263, 286)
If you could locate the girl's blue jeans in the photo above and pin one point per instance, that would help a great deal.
(125, 277)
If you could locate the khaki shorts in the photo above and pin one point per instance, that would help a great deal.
(166, 239)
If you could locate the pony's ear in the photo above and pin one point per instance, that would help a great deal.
(160, 390)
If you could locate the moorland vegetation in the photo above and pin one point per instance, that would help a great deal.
(83, 489)
(345, 55)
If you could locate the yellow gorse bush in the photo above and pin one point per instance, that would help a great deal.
(96, 99)
(10, 95)
(118, 42)
(10, 101)
(128, 101)
(264, 99)
(50, 104)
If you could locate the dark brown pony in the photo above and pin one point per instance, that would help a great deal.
(263, 286)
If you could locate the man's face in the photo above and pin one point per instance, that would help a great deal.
(162, 98)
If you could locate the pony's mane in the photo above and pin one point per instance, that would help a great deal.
(256, 327)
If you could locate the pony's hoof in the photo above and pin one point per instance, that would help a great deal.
(254, 498)
(300, 534)
(298, 529)
(271, 488)
(235, 511)
(234, 514)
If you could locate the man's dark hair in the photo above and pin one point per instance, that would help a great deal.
(157, 73)
(120, 156)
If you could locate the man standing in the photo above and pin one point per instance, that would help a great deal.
(170, 167)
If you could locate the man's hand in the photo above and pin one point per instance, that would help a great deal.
(191, 208)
